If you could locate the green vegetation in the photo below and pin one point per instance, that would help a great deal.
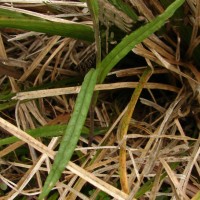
(145, 134)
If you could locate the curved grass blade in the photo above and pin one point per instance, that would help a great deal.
(17, 20)
(128, 43)
(72, 133)
(123, 129)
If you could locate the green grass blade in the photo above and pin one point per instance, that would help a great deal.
(128, 43)
(49, 131)
(45, 131)
(72, 132)
(7, 105)
(94, 11)
(13, 19)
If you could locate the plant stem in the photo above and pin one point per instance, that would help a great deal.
(94, 11)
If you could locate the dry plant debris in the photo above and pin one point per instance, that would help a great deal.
(40, 76)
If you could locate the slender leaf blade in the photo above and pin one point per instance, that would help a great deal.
(13, 19)
(72, 133)
(128, 43)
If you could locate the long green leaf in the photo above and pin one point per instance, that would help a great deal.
(45, 131)
(72, 133)
(17, 20)
(49, 131)
(128, 43)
